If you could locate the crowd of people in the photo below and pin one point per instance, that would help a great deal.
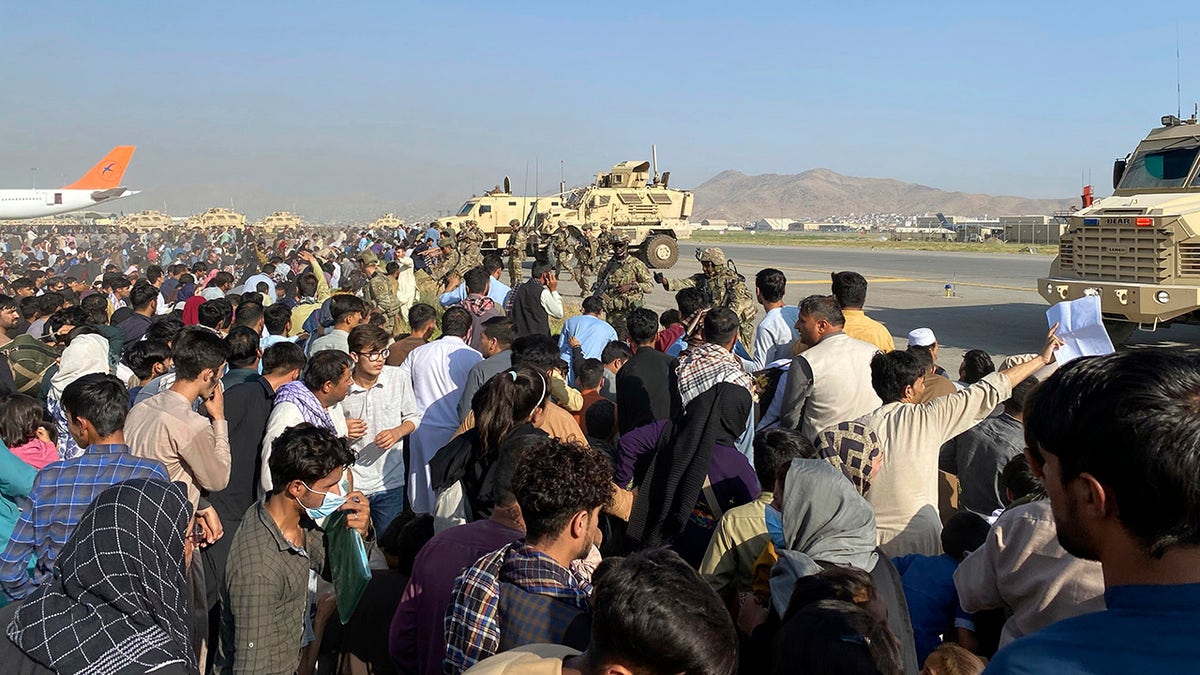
(207, 436)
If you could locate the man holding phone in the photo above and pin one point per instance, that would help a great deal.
(535, 301)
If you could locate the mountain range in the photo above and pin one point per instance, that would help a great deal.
(821, 193)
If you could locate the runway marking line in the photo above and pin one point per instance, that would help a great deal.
(885, 280)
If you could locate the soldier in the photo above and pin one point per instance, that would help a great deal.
(379, 291)
(622, 283)
(470, 244)
(518, 239)
(560, 246)
(448, 261)
(585, 261)
(725, 286)
(604, 240)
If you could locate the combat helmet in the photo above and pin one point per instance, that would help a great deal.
(712, 255)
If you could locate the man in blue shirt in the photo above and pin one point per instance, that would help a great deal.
(498, 291)
(590, 332)
(95, 406)
(1116, 440)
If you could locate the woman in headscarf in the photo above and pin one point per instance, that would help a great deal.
(85, 355)
(687, 472)
(118, 602)
(854, 449)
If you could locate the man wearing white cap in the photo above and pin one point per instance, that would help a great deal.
(923, 344)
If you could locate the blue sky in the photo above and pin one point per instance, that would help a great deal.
(410, 100)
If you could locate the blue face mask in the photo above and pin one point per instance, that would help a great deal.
(775, 527)
(330, 503)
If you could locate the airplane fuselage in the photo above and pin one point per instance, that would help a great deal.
(37, 203)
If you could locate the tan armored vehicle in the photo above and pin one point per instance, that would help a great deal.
(387, 221)
(145, 221)
(281, 220)
(216, 218)
(631, 202)
(1139, 249)
(494, 210)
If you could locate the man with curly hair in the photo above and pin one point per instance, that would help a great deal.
(528, 592)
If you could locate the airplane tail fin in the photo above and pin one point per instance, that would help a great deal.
(107, 174)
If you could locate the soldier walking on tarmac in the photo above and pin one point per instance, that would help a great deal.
(585, 261)
(623, 283)
(724, 286)
(515, 248)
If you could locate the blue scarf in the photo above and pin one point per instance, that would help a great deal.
(310, 408)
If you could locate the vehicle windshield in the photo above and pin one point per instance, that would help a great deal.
(466, 209)
(1164, 168)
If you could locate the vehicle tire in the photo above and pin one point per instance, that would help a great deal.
(660, 251)
(1119, 331)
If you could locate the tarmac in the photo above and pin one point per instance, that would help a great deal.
(991, 303)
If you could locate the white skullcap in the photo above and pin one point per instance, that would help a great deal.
(921, 337)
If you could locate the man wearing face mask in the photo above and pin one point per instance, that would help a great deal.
(529, 592)
(265, 594)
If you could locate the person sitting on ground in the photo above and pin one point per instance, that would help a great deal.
(119, 601)
(95, 406)
(265, 595)
(527, 592)
(743, 532)
(929, 585)
(651, 616)
(23, 432)
(417, 639)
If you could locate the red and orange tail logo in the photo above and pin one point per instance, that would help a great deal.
(107, 174)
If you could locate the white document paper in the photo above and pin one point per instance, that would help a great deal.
(1081, 328)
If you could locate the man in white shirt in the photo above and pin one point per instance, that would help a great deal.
(536, 301)
(381, 396)
(438, 372)
(315, 398)
(347, 311)
(776, 332)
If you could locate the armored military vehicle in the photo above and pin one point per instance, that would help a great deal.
(146, 221)
(630, 202)
(1139, 249)
(494, 210)
(281, 220)
(216, 218)
(388, 222)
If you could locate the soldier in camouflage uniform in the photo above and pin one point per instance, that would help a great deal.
(623, 282)
(379, 292)
(447, 261)
(518, 240)
(604, 240)
(726, 287)
(560, 246)
(585, 261)
(470, 245)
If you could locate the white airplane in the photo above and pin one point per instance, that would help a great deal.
(101, 184)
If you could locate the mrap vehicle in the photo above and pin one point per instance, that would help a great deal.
(1139, 250)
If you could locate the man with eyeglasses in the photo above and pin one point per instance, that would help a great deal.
(382, 397)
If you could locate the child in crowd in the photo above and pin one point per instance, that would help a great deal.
(929, 583)
(589, 377)
(23, 432)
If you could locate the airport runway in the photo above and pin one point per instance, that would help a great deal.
(993, 305)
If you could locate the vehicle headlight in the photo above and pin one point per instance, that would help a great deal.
(1162, 297)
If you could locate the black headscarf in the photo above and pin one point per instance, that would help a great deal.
(119, 599)
(673, 481)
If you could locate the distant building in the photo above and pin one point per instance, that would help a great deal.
(776, 224)
(923, 234)
(1032, 229)
(714, 224)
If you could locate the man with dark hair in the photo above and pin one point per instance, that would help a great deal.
(194, 448)
(692, 304)
(422, 321)
(743, 532)
(776, 331)
(527, 592)
(701, 367)
(646, 387)
(250, 314)
(438, 372)
(244, 354)
(850, 289)
(144, 301)
(314, 398)
(265, 595)
(585, 336)
(311, 290)
(10, 318)
(382, 397)
(497, 290)
(935, 385)
(614, 357)
(277, 319)
(829, 382)
(588, 379)
(95, 406)
(248, 406)
(478, 304)
(535, 301)
(496, 346)
(119, 289)
(978, 455)
(1117, 441)
(216, 315)
(905, 494)
(417, 639)
(347, 311)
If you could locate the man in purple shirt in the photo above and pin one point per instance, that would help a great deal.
(417, 641)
